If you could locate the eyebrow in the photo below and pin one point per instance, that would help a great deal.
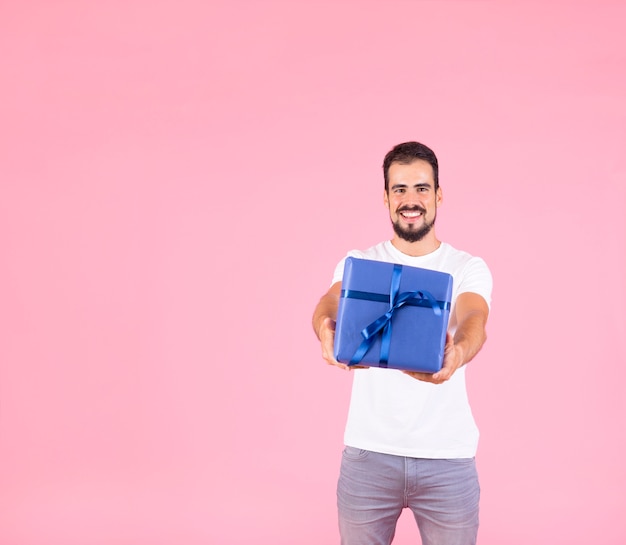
(399, 186)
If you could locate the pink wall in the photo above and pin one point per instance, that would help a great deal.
(178, 180)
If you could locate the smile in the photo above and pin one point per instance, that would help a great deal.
(411, 214)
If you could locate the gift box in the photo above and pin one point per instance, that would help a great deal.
(392, 316)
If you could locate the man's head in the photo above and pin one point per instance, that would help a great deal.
(412, 192)
(405, 154)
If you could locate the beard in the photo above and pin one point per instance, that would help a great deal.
(411, 234)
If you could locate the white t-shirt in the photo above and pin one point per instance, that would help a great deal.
(393, 413)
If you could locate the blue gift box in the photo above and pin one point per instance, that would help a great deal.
(392, 316)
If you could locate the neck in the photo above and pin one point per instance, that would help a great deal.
(415, 249)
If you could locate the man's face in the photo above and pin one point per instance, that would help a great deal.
(412, 199)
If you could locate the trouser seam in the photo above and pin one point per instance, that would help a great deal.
(406, 482)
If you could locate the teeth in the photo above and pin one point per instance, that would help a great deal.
(411, 214)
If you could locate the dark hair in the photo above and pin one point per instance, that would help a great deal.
(408, 152)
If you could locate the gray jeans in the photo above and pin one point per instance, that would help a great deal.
(374, 488)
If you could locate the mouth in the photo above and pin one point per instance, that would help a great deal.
(411, 214)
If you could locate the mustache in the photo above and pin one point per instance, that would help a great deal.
(411, 209)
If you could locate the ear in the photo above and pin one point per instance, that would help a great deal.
(386, 198)
(439, 196)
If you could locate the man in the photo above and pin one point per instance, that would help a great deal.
(410, 437)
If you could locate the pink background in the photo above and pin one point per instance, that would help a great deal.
(177, 182)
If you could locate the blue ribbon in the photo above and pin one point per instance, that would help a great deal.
(396, 300)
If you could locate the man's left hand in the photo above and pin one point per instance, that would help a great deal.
(452, 360)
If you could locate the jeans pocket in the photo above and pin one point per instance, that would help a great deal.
(353, 453)
(459, 461)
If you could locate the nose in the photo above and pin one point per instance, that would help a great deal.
(411, 198)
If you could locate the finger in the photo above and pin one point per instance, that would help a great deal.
(436, 378)
(425, 377)
(441, 376)
(329, 356)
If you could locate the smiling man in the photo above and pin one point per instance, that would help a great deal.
(410, 438)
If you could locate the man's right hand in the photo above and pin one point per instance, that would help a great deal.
(324, 315)
(327, 339)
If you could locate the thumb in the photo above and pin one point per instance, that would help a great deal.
(329, 323)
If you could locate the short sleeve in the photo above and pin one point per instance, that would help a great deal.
(338, 275)
(476, 278)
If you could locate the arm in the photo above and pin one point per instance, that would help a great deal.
(471, 312)
(324, 318)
